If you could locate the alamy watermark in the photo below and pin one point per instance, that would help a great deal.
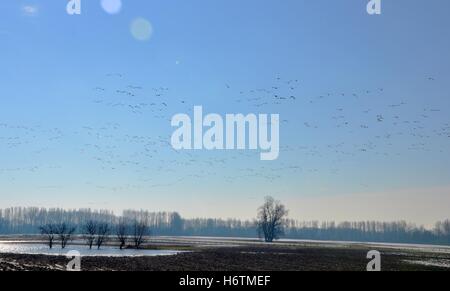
(74, 7)
(375, 264)
(229, 133)
(75, 261)
(374, 7)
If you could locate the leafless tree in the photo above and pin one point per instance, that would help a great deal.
(122, 233)
(443, 228)
(65, 233)
(271, 220)
(49, 230)
(90, 230)
(141, 229)
(102, 234)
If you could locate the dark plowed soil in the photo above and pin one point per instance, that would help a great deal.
(248, 258)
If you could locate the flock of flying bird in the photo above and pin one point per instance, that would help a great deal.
(356, 131)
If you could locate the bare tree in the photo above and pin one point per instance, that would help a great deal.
(49, 230)
(270, 220)
(102, 234)
(122, 233)
(90, 230)
(65, 233)
(140, 230)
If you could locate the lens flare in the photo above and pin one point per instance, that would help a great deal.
(111, 6)
(141, 29)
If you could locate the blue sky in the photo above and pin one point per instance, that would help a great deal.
(369, 122)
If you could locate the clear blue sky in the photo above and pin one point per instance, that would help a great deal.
(82, 120)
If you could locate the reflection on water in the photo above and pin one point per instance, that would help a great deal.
(107, 251)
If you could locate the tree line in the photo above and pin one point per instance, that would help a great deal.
(97, 233)
(271, 223)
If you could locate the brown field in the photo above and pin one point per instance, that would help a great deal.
(236, 255)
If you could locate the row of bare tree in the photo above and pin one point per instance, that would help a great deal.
(97, 233)
(54, 231)
(136, 232)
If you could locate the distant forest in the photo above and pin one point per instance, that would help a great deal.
(20, 220)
